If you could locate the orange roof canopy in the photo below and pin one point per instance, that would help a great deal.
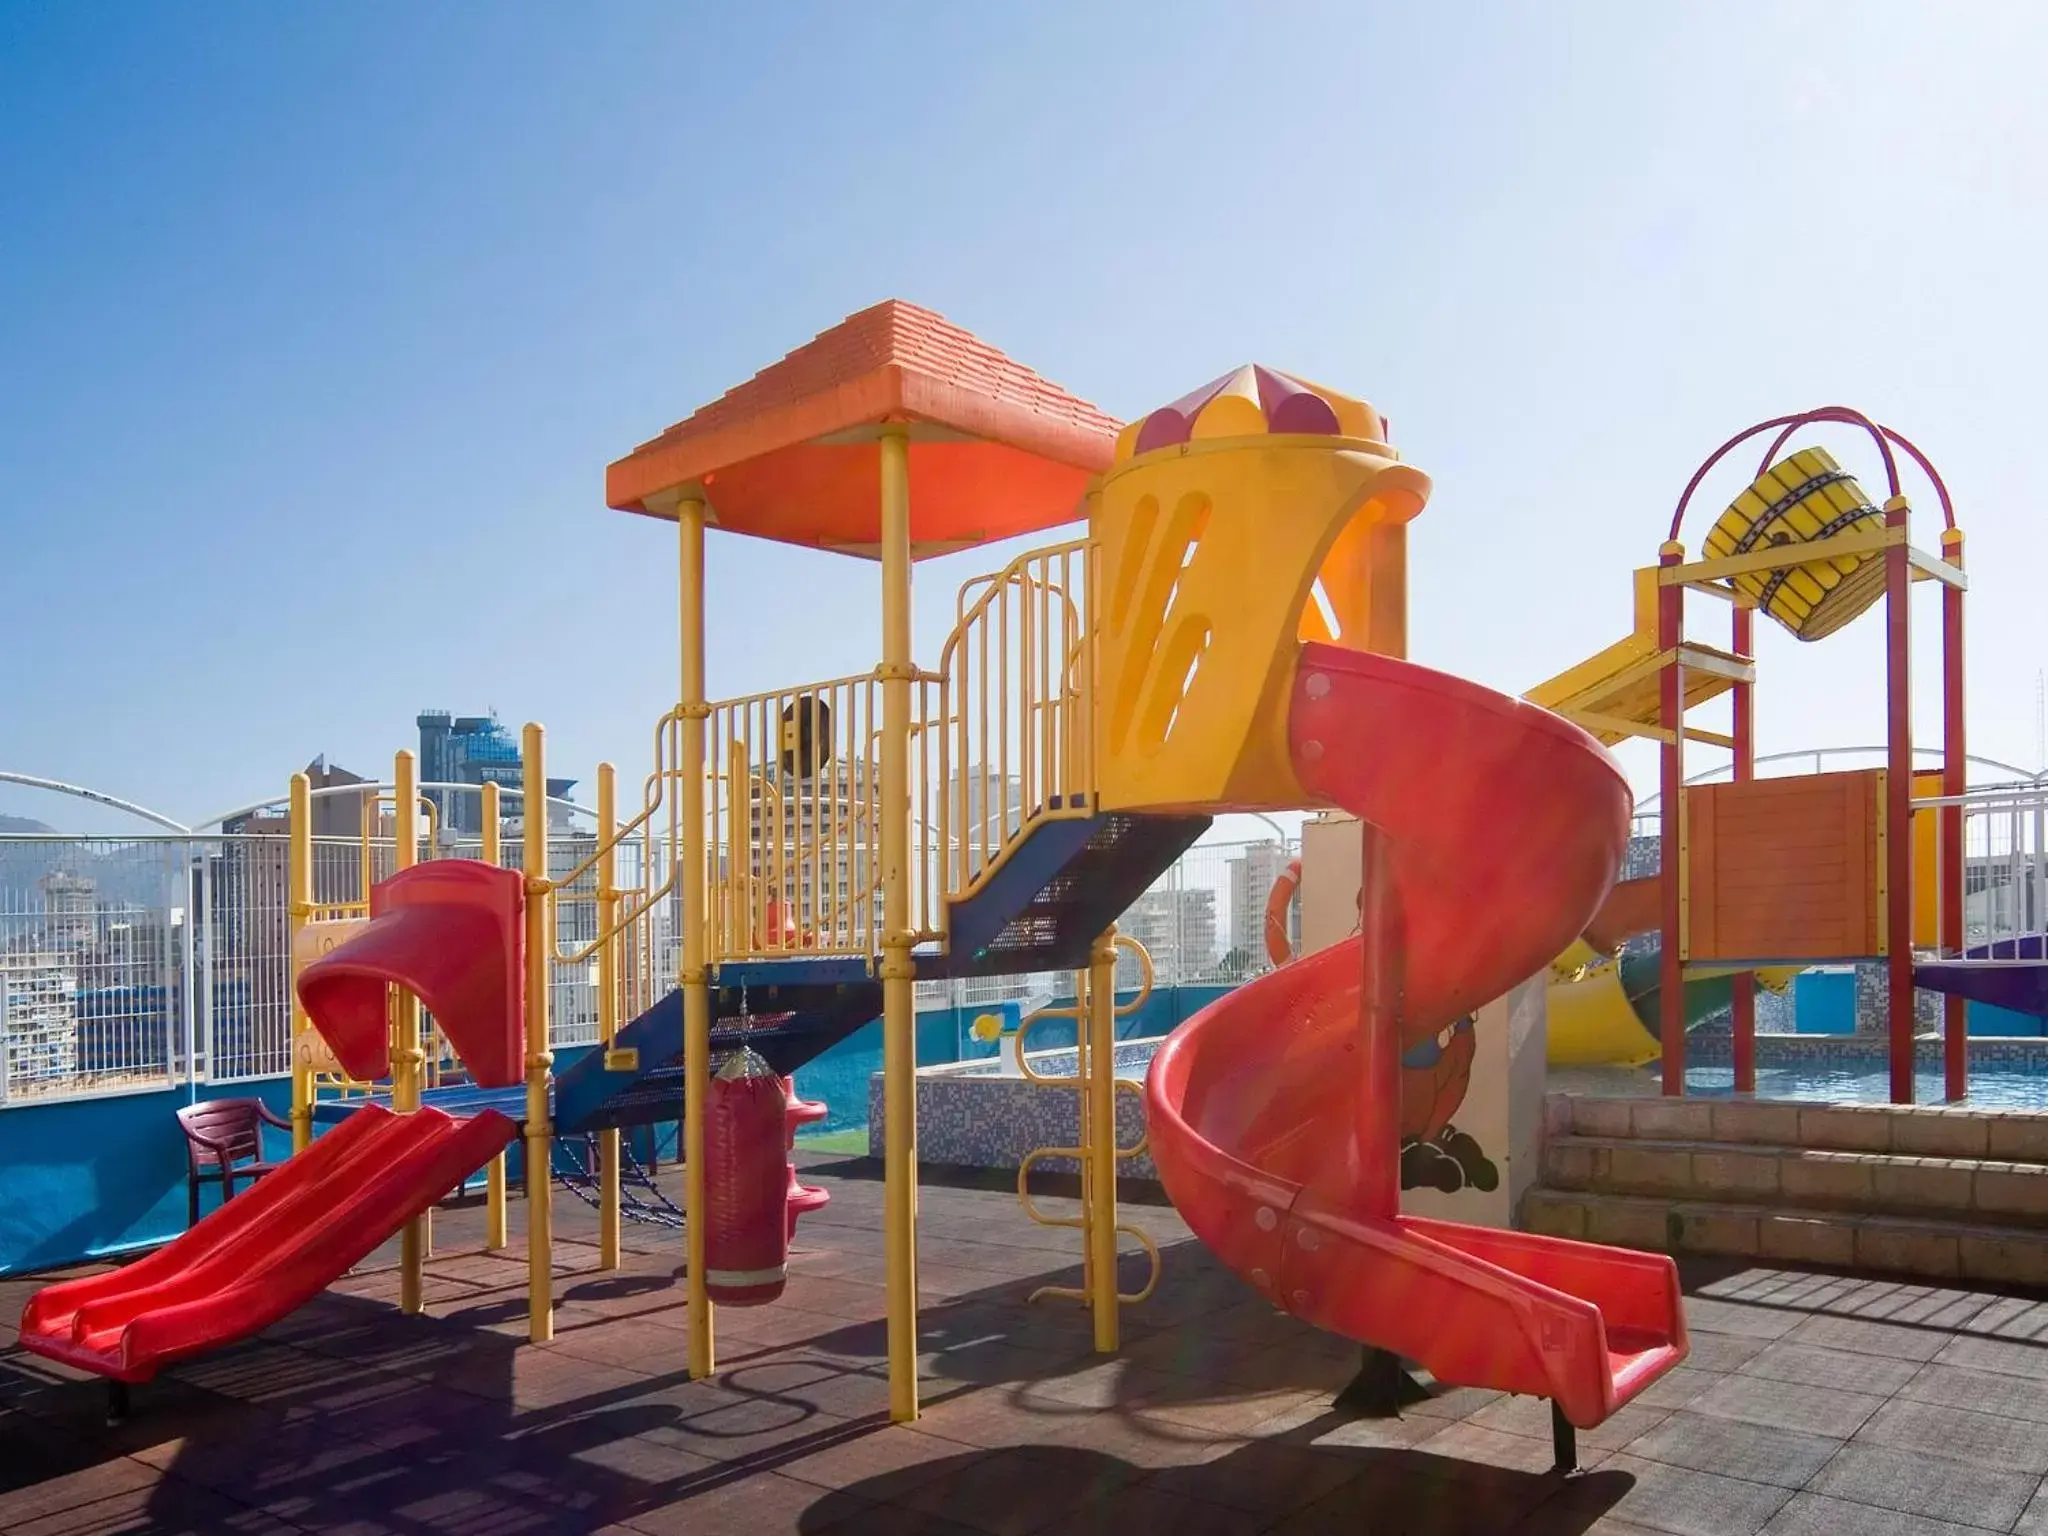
(995, 450)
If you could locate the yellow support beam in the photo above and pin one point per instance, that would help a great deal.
(495, 1234)
(695, 978)
(1928, 567)
(607, 957)
(540, 1061)
(1098, 1170)
(407, 1059)
(1779, 557)
(898, 970)
(299, 877)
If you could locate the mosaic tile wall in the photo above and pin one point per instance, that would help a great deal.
(972, 1116)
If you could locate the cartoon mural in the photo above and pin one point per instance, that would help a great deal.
(1454, 1109)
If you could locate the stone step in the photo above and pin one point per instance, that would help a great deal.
(1922, 1130)
(1925, 1247)
(1988, 1190)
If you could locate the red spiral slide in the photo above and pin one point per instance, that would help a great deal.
(1494, 830)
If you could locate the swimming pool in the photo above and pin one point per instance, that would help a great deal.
(2002, 1075)
(1132, 1059)
(974, 1114)
(1992, 1086)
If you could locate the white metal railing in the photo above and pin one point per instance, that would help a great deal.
(1987, 772)
(143, 962)
(2005, 866)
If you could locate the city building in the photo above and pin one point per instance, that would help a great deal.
(70, 910)
(473, 749)
(38, 1019)
(248, 885)
(1252, 874)
(1177, 925)
(811, 843)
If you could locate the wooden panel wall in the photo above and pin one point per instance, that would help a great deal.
(1784, 869)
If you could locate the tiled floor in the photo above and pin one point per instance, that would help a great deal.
(1812, 1404)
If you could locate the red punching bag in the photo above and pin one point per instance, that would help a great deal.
(746, 1184)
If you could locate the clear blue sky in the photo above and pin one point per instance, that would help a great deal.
(319, 322)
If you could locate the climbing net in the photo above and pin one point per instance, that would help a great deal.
(640, 1197)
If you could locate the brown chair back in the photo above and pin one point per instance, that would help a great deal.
(233, 1123)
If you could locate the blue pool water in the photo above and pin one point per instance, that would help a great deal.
(1992, 1086)
(1132, 1058)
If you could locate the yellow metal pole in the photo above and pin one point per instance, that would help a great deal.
(1099, 1189)
(540, 1235)
(299, 872)
(495, 1236)
(696, 980)
(406, 1056)
(608, 1199)
(1084, 1164)
(898, 970)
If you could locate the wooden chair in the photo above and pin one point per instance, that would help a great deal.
(219, 1132)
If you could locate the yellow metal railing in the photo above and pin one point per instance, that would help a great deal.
(1000, 740)
(792, 826)
(1017, 689)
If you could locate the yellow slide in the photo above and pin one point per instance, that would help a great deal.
(1603, 1006)
(1590, 1021)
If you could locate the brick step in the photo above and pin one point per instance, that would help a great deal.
(1926, 1247)
(1925, 1130)
(1801, 1178)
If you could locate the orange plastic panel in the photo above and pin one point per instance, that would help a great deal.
(996, 450)
(1926, 862)
(1784, 869)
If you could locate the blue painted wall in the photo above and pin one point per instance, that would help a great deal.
(1824, 1003)
(94, 1178)
(89, 1178)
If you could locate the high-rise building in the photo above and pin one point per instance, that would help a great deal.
(472, 749)
(1177, 926)
(38, 1017)
(250, 879)
(70, 910)
(1252, 874)
(813, 842)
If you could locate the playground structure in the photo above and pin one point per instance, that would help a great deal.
(1745, 896)
(1805, 869)
(1224, 636)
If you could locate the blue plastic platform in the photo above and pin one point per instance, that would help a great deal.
(461, 1099)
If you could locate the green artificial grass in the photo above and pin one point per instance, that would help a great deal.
(853, 1143)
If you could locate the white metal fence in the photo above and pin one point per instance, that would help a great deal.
(141, 962)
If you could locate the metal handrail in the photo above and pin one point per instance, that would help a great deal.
(1055, 758)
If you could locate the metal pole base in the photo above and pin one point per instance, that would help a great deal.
(118, 1405)
(1564, 1441)
(1381, 1388)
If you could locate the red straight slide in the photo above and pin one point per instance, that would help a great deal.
(267, 1251)
(1496, 828)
